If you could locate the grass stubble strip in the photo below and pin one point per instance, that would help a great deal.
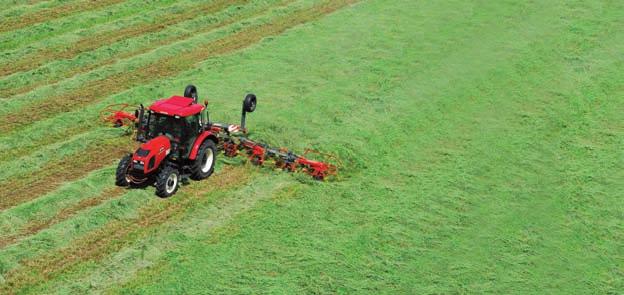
(38, 225)
(166, 67)
(118, 233)
(18, 22)
(68, 51)
(32, 185)
(9, 91)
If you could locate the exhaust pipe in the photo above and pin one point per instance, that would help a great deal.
(140, 126)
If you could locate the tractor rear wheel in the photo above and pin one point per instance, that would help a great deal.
(205, 161)
(121, 175)
(167, 182)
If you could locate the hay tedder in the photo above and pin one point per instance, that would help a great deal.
(178, 141)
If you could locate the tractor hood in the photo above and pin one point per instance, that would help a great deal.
(150, 154)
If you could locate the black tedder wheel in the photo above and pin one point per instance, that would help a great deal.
(167, 182)
(249, 104)
(205, 161)
(191, 92)
(122, 170)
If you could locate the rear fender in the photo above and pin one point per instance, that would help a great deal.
(198, 142)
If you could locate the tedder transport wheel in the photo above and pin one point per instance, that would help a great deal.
(249, 104)
(121, 178)
(191, 92)
(205, 161)
(167, 182)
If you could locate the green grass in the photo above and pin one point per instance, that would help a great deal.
(483, 150)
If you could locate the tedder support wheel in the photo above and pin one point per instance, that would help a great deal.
(167, 182)
(203, 166)
(121, 178)
(191, 92)
(249, 104)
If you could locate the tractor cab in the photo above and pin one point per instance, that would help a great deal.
(178, 118)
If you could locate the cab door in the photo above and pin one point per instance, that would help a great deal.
(192, 130)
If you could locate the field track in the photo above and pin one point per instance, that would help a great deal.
(481, 141)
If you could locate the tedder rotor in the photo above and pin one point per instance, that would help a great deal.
(178, 141)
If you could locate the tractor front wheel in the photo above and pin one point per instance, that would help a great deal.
(121, 175)
(205, 161)
(167, 182)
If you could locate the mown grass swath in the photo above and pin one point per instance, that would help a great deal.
(46, 14)
(114, 235)
(68, 51)
(27, 186)
(37, 225)
(27, 39)
(117, 52)
(46, 207)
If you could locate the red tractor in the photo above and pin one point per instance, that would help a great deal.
(178, 142)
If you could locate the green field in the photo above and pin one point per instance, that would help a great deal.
(482, 141)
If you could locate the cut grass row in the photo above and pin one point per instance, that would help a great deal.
(46, 14)
(37, 225)
(17, 218)
(115, 234)
(80, 224)
(146, 14)
(15, 8)
(100, 38)
(199, 220)
(117, 52)
(51, 175)
(80, 22)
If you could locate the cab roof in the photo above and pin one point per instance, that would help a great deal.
(176, 106)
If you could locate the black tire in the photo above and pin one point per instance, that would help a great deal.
(201, 169)
(167, 182)
(249, 104)
(191, 92)
(122, 169)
